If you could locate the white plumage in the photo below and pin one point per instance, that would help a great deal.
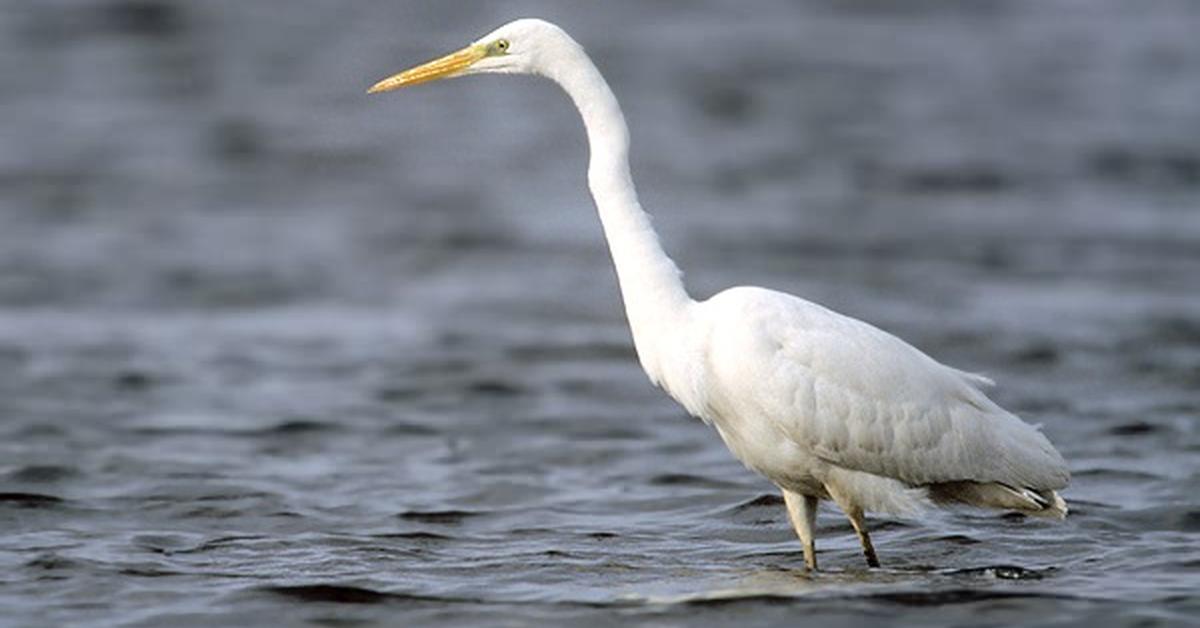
(823, 405)
(857, 399)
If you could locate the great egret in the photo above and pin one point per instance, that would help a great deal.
(823, 405)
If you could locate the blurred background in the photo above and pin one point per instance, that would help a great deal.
(265, 340)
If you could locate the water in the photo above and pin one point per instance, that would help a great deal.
(272, 351)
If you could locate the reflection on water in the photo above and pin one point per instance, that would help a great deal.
(274, 351)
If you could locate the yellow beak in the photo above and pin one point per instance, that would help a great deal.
(448, 66)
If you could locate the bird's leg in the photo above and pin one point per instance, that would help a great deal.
(802, 512)
(860, 527)
(854, 513)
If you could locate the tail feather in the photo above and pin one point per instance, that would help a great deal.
(1030, 501)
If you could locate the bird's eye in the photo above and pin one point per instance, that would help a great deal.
(502, 45)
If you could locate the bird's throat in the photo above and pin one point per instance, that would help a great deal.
(652, 289)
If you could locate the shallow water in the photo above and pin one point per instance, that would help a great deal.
(271, 351)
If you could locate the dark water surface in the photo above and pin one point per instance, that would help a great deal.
(274, 352)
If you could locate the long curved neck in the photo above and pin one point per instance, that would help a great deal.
(651, 284)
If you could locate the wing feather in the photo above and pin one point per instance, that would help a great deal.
(861, 399)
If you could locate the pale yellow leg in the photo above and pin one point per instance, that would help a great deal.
(855, 513)
(802, 512)
(860, 527)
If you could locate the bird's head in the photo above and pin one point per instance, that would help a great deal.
(519, 47)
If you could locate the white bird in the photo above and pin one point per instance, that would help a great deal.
(825, 406)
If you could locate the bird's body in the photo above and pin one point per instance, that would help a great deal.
(823, 405)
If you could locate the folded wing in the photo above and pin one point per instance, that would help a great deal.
(862, 399)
